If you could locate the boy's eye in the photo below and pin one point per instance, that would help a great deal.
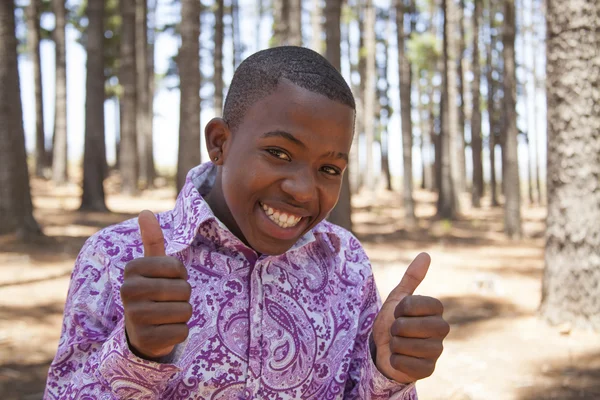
(279, 154)
(330, 170)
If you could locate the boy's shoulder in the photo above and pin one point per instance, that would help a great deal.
(340, 240)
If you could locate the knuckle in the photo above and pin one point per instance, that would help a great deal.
(187, 290)
(188, 311)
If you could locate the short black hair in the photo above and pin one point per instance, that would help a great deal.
(258, 76)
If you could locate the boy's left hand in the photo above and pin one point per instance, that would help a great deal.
(409, 329)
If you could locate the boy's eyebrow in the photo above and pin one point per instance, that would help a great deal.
(335, 154)
(292, 138)
(284, 135)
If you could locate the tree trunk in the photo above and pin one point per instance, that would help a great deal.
(129, 160)
(342, 213)
(436, 120)
(94, 156)
(295, 22)
(280, 22)
(448, 201)
(384, 101)
(218, 58)
(369, 91)
(235, 31)
(571, 282)
(190, 78)
(59, 148)
(405, 111)
(476, 142)
(535, 130)
(460, 139)
(16, 208)
(151, 88)
(33, 42)
(512, 205)
(354, 166)
(316, 25)
(144, 134)
(491, 109)
(426, 135)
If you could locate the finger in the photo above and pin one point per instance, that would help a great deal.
(412, 278)
(418, 306)
(417, 368)
(419, 348)
(160, 313)
(156, 267)
(420, 327)
(155, 289)
(152, 235)
(162, 336)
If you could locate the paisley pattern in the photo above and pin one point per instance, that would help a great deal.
(294, 326)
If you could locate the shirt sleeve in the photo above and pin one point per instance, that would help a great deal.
(365, 381)
(93, 358)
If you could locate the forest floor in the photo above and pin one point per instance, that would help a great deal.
(498, 348)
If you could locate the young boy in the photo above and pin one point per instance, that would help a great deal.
(244, 290)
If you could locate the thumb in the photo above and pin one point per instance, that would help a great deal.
(414, 275)
(152, 235)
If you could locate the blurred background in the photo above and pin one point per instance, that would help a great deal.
(477, 140)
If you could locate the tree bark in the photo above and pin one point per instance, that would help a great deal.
(33, 42)
(342, 212)
(129, 160)
(476, 142)
(511, 180)
(491, 109)
(316, 24)
(287, 20)
(295, 23)
(16, 208)
(235, 31)
(369, 92)
(448, 201)
(405, 111)
(218, 57)
(190, 78)
(94, 156)
(144, 134)
(151, 89)
(571, 283)
(59, 148)
(460, 139)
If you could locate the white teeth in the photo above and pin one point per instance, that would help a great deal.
(282, 219)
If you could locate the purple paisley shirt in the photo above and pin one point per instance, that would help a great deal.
(293, 326)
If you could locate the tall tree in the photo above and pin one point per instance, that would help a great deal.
(572, 275)
(59, 148)
(188, 62)
(476, 141)
(448, 205)
(342, 213)
(369, 92)
(316, 25)
(143, 120)
(94, 155)
(491, 102)
(235, 31)
(33, 42)
(536, 85)
(218, 57)
(16, 207)
(152, 5)
(511, 180)
(287, 16)
(405, 77)
(461, 60)
(385, 110)
(129, 160)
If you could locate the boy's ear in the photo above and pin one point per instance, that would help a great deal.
(217, 136)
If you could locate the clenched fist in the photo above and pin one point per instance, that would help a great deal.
(155, 295)
(409, 330)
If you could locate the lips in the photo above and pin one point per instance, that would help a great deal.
(281, 218)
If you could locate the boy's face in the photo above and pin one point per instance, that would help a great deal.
(282, 169)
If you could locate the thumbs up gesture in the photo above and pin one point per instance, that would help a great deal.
(155, 295)
(409, 329)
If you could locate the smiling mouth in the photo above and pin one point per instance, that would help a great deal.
(282, 219)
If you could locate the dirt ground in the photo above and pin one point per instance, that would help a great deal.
(491, 288)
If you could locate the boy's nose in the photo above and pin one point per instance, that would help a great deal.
(301, 187)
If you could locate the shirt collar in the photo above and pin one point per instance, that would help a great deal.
(191, 212)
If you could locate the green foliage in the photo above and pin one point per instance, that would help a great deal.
(424, 50)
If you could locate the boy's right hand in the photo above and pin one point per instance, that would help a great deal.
(155, 295)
